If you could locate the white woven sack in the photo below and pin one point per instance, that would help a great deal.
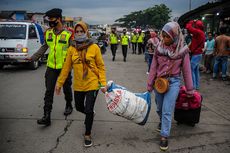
(126, 104)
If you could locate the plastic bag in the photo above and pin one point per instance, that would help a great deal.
(132, 106)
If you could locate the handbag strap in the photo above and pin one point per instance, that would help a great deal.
(172, 67)
(169, 72)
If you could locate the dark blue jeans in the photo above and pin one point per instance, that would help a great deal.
(150, 58)
(223, 60)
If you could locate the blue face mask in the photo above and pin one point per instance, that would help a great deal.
(80, 38)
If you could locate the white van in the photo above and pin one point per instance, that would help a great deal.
(18, 40)
(95, 34)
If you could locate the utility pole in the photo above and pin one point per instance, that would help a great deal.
(189, 5)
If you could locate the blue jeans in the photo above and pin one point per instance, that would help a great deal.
(195, 61)
(146, 55)
(223, 60)
(166, 104)
(150, 58)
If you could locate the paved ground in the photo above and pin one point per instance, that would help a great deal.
(21, 101)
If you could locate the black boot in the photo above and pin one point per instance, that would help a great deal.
(45, 120)
(68, 110)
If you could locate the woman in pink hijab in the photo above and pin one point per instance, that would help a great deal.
(170, 60)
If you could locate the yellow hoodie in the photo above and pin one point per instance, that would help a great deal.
(96, 70)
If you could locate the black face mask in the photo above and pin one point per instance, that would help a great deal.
(53, 24)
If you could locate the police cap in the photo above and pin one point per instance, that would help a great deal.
(55, 13)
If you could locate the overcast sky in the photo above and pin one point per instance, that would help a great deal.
(98, 11)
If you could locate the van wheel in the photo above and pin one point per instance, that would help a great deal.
(1, 66)
(43, 59)
(34, 65)
(39, 62)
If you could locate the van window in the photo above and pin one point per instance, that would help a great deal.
(32, 32)
(12, 31)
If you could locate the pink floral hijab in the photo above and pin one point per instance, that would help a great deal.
(153, 40)
(179, 47)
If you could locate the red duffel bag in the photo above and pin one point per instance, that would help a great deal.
(185, 103)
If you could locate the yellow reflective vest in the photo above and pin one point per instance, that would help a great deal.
(113, 38)
(134, 38)
(140, 38)
(58, 45)
(124, 40)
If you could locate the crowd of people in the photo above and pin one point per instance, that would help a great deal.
(206, 53)
(168, 54)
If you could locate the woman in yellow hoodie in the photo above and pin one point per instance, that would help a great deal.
(89, 75)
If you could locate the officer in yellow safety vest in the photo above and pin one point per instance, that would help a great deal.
(113, 38)
(57, 39)
(140, 41)
(124, 44)
(134, 42)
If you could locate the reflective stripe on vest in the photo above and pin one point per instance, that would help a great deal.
(113, 39)
(124, 40)
(58, 45)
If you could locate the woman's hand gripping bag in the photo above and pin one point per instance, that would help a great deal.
(132, 106)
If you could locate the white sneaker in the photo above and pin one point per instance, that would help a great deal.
(88, 141)
(147, 73)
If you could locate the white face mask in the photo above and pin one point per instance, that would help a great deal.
(80, 38)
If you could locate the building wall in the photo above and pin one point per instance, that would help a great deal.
(18, 16)
(38, 18)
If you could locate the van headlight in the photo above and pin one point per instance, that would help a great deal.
(24, 50)
(3, 49)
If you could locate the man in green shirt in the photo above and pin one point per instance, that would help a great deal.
(124, 44)
(113, 38)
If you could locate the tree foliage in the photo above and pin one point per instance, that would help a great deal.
(154, 17)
